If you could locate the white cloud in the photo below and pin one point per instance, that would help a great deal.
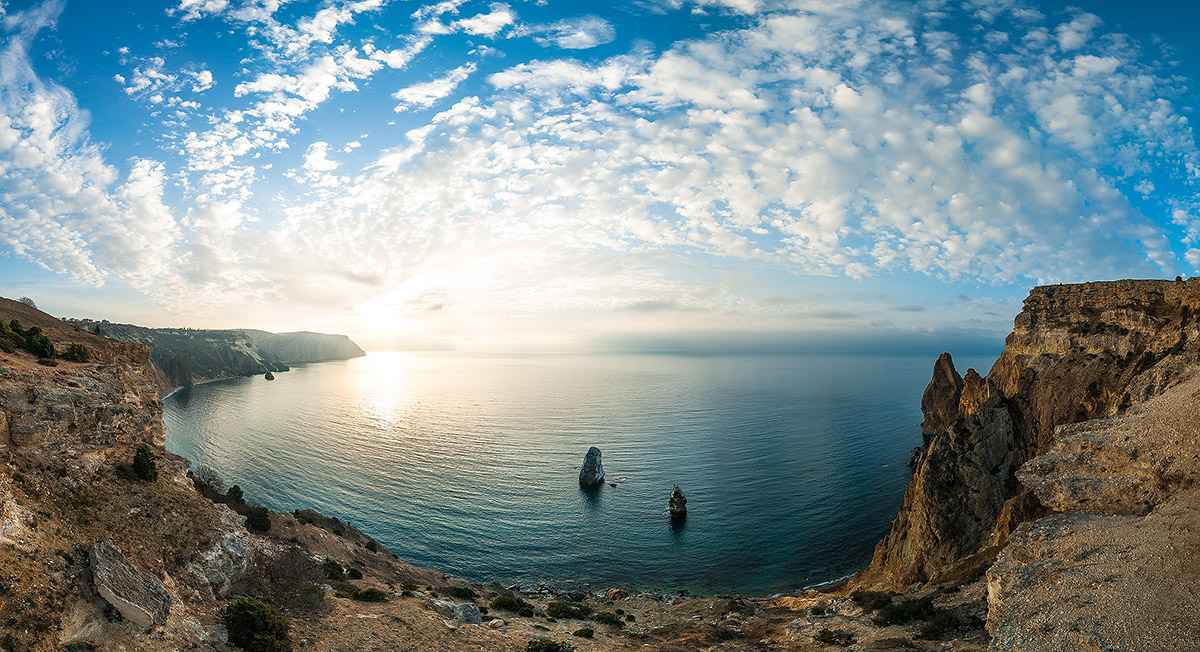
(573, 34)
(489, 24)
(317, 158)
(425, 94)
(1075, 34)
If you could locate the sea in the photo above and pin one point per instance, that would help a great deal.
(793, 465)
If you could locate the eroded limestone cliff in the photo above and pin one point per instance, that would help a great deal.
(1077, 352)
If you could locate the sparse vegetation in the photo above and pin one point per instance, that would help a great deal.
(256, 626)
(333, 570)
(936, 629)
(547, 646)
(509, 603)
(609, 618)
(362, 595)
(566, 610)
(292, 581)
(899, 613)
(144, 468)
(871, 600)
(258, 518)
(834, 637)
(77, 353)
(460, 592)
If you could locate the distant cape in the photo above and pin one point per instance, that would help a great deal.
(185, 356)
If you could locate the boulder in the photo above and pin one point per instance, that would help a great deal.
(137, 594)
(678, 504)
(616, 594)
(591, 473)
(466, 613)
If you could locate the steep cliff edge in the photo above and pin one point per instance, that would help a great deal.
(1077, 352)
(184, 356)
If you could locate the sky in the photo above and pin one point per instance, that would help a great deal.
(540, 175)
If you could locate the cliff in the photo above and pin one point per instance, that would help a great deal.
(184, 356)
(1077, 352)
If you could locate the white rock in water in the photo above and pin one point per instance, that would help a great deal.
(592, 472)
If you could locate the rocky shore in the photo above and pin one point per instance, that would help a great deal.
(1052, 507)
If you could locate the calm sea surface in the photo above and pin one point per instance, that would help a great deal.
(793, 466)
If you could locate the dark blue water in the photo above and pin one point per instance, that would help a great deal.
(793, 466)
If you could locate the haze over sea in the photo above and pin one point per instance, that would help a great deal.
(793, 465)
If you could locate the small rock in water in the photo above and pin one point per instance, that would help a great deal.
(612, 484)
(269, 376)
(592, 472)
(678, 504)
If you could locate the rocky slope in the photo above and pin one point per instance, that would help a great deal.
(1077, 352)
(186, 356)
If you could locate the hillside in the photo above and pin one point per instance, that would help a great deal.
(184, 356)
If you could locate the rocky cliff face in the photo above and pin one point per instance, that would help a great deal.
(1077, 352)
(187, 356)
(293, 348)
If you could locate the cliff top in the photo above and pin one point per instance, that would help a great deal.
(103, 350)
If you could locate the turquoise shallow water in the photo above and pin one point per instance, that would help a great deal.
(793, 466)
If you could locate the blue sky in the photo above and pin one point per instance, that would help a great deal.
(546, 174)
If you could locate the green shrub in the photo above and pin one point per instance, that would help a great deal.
(817, 611)
(630, 618)
(77, 353)
(333, 570)
(256, 626)
(831, 637)
(235, 496)
(48, 362)
(144, 468)
(372, 546)
(509, 603)
(584, 632)
(409, 586)
(527, 612)
(460, 592)
(258, 518)
(609, 618)
(564, 610)
(362, 595)
(547, 646)
(354, 573)
(938, 626)
(871, 600)
(899, 613)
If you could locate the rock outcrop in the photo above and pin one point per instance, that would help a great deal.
(677, 505)
(133, 591)
(939, 403)
(1118, 568)
(1077, 352)
(591, 474)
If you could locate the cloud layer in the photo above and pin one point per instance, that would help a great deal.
(982, 141)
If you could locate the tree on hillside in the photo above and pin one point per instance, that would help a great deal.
(29, 302)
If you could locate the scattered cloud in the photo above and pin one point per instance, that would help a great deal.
(572, 34)
(426, 94)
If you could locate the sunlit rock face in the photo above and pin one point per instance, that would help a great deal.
(1125, 536)
(591, 474)
(1077, 352)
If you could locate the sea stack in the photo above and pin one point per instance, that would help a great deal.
(269, 376)
(591, 473)
(678, 504)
